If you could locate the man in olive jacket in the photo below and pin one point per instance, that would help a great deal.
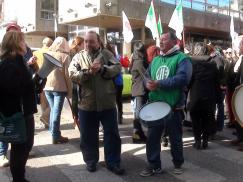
(94, 69)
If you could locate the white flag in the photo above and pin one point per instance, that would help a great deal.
(176, 21)
(234, 35)
(127, 30)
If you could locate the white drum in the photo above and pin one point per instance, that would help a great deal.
(237, 104)
(154, 113)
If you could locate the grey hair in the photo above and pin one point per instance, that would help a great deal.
(200, 49)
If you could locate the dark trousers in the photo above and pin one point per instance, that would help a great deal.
(153, 145)
(139, 101)
(89, 125)
(202, 116)
(220, 113)
(229, 95)
(119, 89)
(20, 152)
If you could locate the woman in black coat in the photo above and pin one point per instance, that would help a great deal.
(17, 94)
(204, 90)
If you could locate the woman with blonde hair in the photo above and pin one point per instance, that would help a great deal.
(57, 87)
(17, 95)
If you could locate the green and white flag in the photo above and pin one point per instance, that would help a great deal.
(160, 28)
(234, 36)
(176, 21)
(151, 22)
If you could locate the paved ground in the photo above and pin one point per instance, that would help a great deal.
(64, 163)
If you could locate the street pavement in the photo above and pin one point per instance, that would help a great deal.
(64, 162)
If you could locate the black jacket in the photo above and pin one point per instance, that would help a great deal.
(16, 87)
(230, 75)
(204, 85)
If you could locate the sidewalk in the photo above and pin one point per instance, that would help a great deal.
(64, 163)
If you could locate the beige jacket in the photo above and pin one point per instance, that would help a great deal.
(98, 91)
(58, 80)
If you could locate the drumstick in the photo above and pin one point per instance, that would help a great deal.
(143, 75)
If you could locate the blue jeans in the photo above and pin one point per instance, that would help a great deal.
(89, 128)
(173, 126)
(3, 148)
(55, 100)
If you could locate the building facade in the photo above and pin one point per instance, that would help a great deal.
(36, 18)
(208, 19)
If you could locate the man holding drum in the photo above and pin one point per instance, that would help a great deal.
(170, 73)
(239, 70)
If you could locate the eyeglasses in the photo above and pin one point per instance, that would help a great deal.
(227, 52)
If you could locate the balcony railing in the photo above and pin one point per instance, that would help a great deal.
(224, 7)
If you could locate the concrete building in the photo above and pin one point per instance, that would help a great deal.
(203, 19)
(36, 18)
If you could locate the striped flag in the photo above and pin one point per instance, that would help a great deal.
(160, 28)
(151, 22)
(176, 21)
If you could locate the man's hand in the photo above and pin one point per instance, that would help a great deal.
(32, 60)
(152, 85)
(96, 66)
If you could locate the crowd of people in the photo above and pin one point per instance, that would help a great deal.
(197, 82)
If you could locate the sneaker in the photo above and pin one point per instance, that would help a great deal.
(60, 140)
(178, 171)
(116, 170)
(150, 171)
(4, 162)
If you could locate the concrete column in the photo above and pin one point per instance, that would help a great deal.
(143, 35)
(102, 33)
(105, 37)
(127, 49)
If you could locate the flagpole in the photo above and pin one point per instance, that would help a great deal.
(183, 39)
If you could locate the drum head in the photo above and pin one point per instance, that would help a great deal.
(154, 111)
(237, 104)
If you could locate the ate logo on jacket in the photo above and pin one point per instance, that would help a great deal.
(162, 73)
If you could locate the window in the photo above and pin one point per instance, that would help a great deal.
(47, 9)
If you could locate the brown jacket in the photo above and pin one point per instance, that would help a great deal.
(58, 80)
(137, 68)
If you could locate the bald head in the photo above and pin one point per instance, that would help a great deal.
(92, 41)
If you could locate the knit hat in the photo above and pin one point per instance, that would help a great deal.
(13, 26)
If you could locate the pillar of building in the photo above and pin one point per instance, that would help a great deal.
(127, 49)
(143, 35)
(102, 33)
